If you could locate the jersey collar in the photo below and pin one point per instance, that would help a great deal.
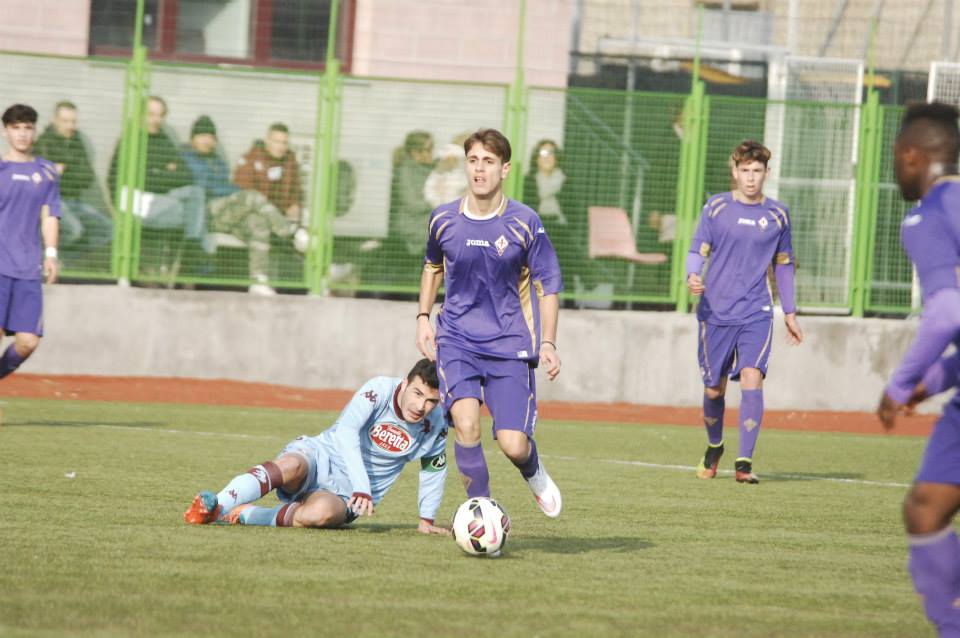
(502, 206)
(396, 403)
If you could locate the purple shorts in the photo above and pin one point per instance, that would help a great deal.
(21, 305)
(941, 459)
(507, 386)
(726, 350)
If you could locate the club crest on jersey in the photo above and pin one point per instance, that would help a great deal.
(762, 222)
(36, 178)
(501, 244)
(390, 438)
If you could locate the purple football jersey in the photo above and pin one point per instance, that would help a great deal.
(740, 241)
(495, 270)
(930, 234)
(26, 189)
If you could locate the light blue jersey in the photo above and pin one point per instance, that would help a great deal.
(368, 446)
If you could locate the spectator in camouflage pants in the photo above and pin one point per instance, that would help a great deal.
(245, 214)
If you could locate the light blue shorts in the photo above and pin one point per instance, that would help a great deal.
(321, 474)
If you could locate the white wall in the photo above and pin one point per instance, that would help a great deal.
(634, 357)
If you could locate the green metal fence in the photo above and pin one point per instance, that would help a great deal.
(370, 157)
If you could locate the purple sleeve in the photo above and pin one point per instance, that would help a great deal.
(788, 296)
(942, 375)
(694, 263)
(543, 263)
(702, 242)
(938, 327)
(52, 197)
(434, 254)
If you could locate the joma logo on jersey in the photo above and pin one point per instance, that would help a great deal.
(483, 243)
(389, 437)
(747, 222)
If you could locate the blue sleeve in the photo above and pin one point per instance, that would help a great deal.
(433, 476)
(939, 325)
(365, 403)
(542, 260)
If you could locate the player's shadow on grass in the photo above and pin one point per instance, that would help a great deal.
(85, 424)
(809, 476)
(574, 545)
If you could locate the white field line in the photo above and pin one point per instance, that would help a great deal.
(228, 435)
(771, 475)
(653, 466)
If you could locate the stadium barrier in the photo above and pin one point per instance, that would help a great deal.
(374, 155)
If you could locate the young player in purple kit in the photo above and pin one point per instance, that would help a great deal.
(925, 162)
(741, 233)
(29, 208)
(498, 320)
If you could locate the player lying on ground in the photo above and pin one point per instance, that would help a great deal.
(925, 163)
(331, 479)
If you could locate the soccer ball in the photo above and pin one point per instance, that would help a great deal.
(480, 527)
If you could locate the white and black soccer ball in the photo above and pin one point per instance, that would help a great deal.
(480, 527)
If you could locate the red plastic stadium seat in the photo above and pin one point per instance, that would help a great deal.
(611, 235)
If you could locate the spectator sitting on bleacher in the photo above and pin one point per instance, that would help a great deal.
(171, 200)
(82, 225)
(271, 168)
(245, 214)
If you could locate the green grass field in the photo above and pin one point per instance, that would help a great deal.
(642, 548)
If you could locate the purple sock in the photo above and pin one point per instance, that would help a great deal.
(935, 569)
(473, 469)
(10, 361)
(751, 415)
(529, 467)
(713, 418)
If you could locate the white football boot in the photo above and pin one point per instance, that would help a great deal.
(546, 492)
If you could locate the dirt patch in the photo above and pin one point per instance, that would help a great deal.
(263, 395)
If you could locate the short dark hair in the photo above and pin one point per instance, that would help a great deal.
(932, 127)
(750, 151)
(492, 140)
(19, 113)
(64, 104)
(278, 126)
(427, 371)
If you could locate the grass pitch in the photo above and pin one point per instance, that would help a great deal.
(92, 542)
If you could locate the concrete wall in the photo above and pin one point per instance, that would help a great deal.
(636, 357)
(449, 40)
(45, 26)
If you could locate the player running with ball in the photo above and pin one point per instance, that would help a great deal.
(498, 321)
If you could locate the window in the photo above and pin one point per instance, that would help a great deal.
(285, 33)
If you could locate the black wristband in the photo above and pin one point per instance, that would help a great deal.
(550, 342)
(423, 314)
